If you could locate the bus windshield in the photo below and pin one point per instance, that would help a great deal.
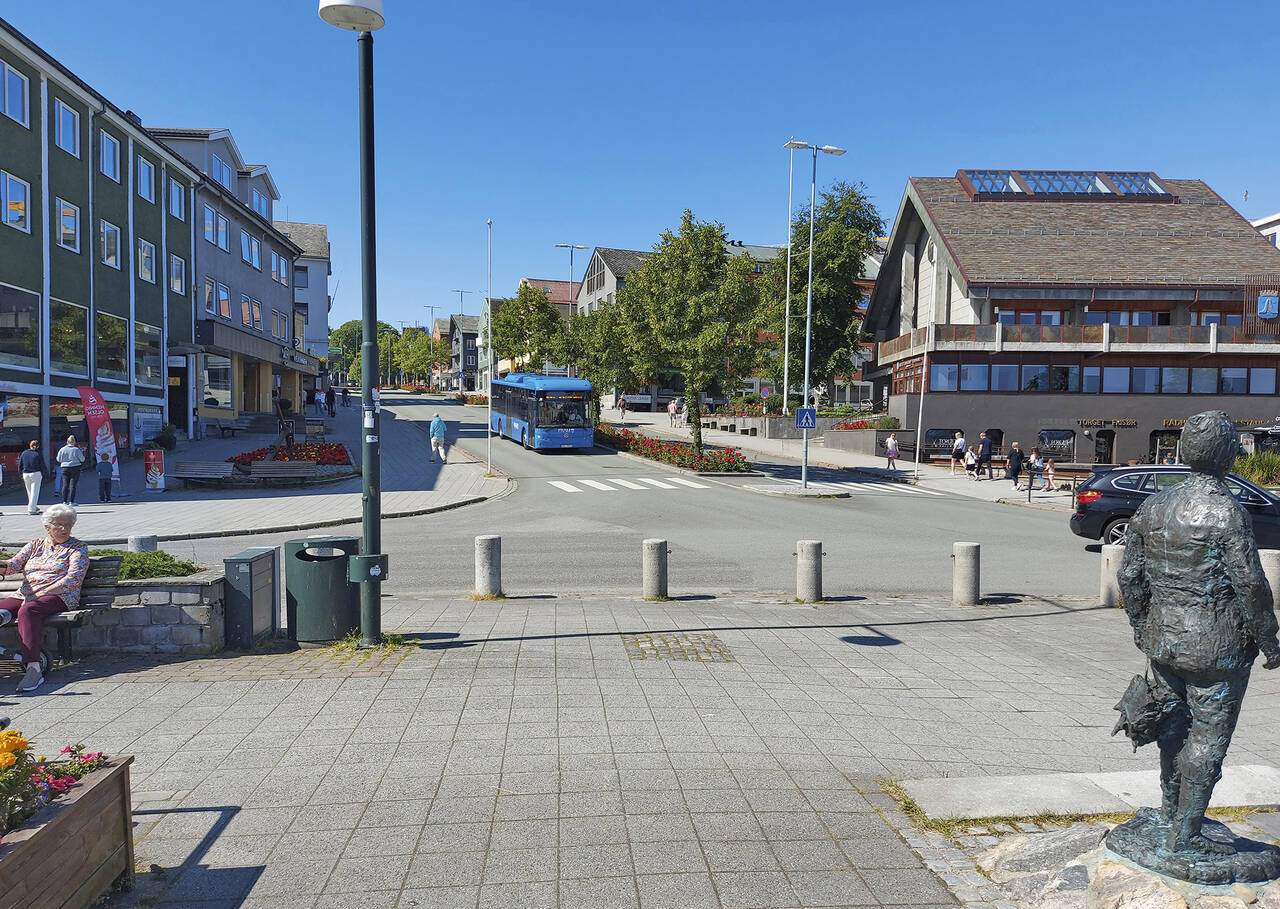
(561, 410)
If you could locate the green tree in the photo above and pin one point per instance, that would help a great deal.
(596, 345)
(527, 328)
(694, 307)
(846, 224)
(349, 336)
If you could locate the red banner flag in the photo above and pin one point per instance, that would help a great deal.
(102, 437)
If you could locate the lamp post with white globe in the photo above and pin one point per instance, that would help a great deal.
(369, 568)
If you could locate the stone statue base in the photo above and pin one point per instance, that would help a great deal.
(1142, 841)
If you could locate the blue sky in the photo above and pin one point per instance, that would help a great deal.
(598, 124)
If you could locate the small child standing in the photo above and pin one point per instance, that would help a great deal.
(971, 463)
(1048, 476)
(104, 477)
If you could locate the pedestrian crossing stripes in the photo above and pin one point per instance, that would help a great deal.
(874, 486)
(617, 484)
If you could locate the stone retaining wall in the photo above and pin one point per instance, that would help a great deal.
(162, 615)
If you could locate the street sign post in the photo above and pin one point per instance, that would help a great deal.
(764, 392)
(806, 418)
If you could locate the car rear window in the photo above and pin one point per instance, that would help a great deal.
(1166, 480)
(1129, 480)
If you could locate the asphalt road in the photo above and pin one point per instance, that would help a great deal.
(576, 520)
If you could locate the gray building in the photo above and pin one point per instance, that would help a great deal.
(311, 272)
(246, 319)
(464, 331)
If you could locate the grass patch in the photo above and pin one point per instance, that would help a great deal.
(488, 596)
(351, 644)
(136, 566)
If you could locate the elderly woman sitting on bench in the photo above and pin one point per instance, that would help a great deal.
(53, 569)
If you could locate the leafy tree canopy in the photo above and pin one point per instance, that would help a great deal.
(527, 328)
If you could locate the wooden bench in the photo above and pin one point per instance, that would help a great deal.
(201, 470)
(97, 595)
(282, 470)
(227, 427)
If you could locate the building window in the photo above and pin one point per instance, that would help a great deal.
(221, 172)
(146, 261)
(1233, 318)
(1092, 383)
(148, 355)
(275, 267)
(257, 315)
(1059, 444)
(177, 274)
(111, 347)
(284, 271)
(301, 278)
(1204, 380)
(1004, 377)
(210, 225)
(1145, 380)
(1173, 380)
(68, 338)
(19, 327)
(66, 130)
(1206, 318)
(1035, 378)
(109, 234)
(1262, 381)
(16, 94)
(260, 204)
(223, 242)
(224, 301)
(1235, 380)
(68, 221)
(1064, 378)
(146, 179)
(246, 316)
(15, 197)
(210, 295)
(177, 200)
(1115, 380)
(973, 377)
(251, 250)
(109, 159)
(942, 376)
(215, 381)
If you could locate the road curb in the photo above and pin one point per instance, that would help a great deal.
(1038, 506)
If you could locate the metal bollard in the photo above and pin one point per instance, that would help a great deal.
(654, 582)
(489, 566)
(143, 544)
(1108, 586)
(809, 570)
(1271, 568)
(966, 574)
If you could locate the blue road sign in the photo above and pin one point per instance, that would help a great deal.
(764, 392)
(806, 418)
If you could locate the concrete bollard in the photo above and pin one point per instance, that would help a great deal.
(143, 544)
(966, 574)
(654, 583)
(1108, 586)
(489, 566)
(1271, 568)
(809, 570)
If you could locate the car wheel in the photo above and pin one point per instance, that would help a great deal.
(1115, 530)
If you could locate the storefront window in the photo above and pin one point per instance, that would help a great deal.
(19, 424)
(19, 327)
(1262, 381)
(68, 338)
(1004, 377)
(1235, 380)
(1115, 380)
(944, 377)
(1204, 380)
(1035, 378)
(1173, 380)
(111, 347)
(1092, 380)
(1064, 378)
(973, 377)
(1059, 444)
(215, 381)
(66, 418)
(148, 355)
(940, 442)
(1146, 380)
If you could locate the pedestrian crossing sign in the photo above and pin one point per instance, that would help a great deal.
(806, 418)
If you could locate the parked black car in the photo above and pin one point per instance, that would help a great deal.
(1106, 501)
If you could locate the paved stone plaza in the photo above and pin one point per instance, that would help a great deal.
(542, 752)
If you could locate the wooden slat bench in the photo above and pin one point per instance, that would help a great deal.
(227, 427)
(282, 470)
(201, 470)
(97, 594)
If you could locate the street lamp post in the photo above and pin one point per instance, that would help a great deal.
(786, 322)
(431, 330)
(573, 300)
(808, 303)
(488, 350)
(369, 568)
(459, 293)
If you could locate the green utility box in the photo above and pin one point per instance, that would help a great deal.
(320, 603)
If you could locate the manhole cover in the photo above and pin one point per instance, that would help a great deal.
(677, 645)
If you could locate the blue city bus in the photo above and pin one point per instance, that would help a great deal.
(542, 411)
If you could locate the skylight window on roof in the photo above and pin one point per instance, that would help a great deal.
(1063, 181)
(1137, 183)
(993, 181)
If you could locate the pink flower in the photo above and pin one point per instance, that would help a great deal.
(66, 750)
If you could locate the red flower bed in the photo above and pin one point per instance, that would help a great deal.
(320, 452)
(681, 454)
(852, 424)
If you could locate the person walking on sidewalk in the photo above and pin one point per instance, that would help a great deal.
(346, 396)
(437, 438)
(1015, 461)
(32, 467)
(984, 457)
(104, 471)
(971, 463)
(1048, 476)
(331, 401)
(891, 451)
(622, 408)
(70, 459)
(958, 452)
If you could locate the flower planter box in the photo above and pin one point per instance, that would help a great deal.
(71, 851)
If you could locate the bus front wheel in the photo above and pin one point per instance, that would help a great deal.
(524, 439)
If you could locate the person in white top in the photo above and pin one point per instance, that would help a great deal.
(958, 450)
(70, 459)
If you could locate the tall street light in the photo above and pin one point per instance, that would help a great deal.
(369, 568)
(808, 304)
(488, 351)
(571, 247)
(460, 293)
(786, 323)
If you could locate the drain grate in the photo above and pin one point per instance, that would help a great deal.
(677, 645)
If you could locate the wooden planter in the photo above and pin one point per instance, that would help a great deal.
(71, 851)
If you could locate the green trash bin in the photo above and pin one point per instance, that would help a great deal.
(320, 603)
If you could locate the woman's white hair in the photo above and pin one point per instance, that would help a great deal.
(59, 512)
